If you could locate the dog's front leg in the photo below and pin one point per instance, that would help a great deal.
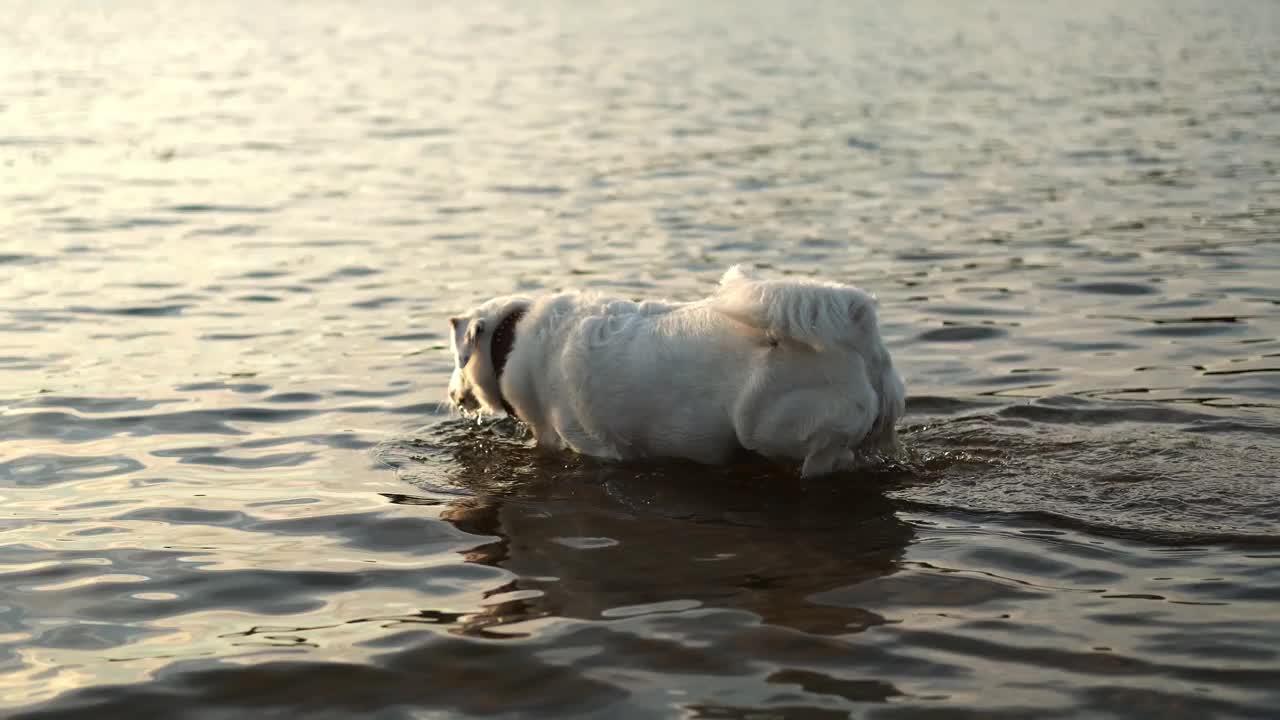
(546, 438)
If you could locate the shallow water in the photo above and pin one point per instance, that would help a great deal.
(231, 233)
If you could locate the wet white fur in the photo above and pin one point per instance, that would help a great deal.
(792, 369)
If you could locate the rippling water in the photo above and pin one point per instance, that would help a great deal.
(230, 234)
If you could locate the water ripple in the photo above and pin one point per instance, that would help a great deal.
(228, 479)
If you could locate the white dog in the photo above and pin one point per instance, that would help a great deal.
(790, 369)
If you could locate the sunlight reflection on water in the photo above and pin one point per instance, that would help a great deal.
(232, 234)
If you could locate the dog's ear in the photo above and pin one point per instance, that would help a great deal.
(737, 273)
(465, 335)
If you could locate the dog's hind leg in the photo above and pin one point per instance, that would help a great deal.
(828, 455)
(815, 425)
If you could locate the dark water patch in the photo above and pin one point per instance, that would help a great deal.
(1146, 702)
(21, 328)
(364, 393)
(96, 636)
(409, 133)
(931, 589)
(154, 285)
(754, 184)
(1094, 346)
(372, 531)
(256, 415)
(21, 259)
(1089, 663)
(1189, 320)
(197, 208)
(262, 592)
(528, 189)
(1258, 426)
(718, 711)
(126, 335)
(243, 388)
(426, 409)
(295, 289)
(408, 499)
(438, 676)
(201, 456)
(978, 311)
(263, 146)
(412, 337)
(294, 397)
(262, 274)
(962, 333)
(351, 271)
(187, 516)
(398, 221)
(91, 405)
(322, 243)
(50, 469)
(375, 303)
(817, 683)
(76, 429)
(1113, 288)
(228, 230)
(460, 209)
(1103, 469)
(858, 143)
(454, 237)
(1165, 304)
(39, 317)
(258, 298)
(93, 504)
(233, 337)
(343, 440)
(30, 140)
(940, 405)
(96, 531)
(1244, 371)
(1193, 328)
(173, 310)
(543, 676)
(186, 296)
(1073, 411)
(1020, 380)
(928, 255)
(133, 223)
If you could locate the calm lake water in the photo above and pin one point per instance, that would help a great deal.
(231, 234)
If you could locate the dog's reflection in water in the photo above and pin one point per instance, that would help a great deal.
(595, 539)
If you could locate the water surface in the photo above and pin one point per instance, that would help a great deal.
(231, 234)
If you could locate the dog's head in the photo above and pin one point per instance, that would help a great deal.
(473, 387)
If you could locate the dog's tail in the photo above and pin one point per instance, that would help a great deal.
(822, 316)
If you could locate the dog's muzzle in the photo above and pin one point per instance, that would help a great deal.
(464, 400)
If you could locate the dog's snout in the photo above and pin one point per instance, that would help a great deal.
(464, 399)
